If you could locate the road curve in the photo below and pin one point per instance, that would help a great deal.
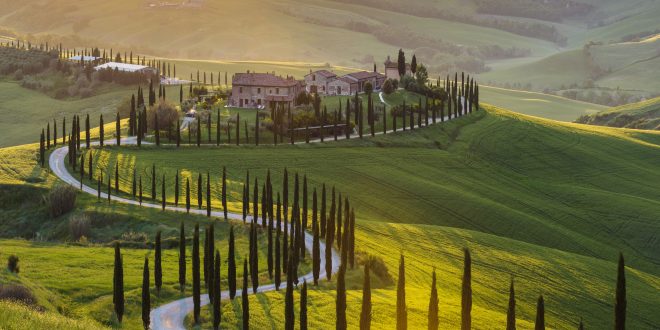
(173, 314)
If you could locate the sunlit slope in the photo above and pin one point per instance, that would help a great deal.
(15, 316)
(538, 104)
(642, 115)
(577, 188)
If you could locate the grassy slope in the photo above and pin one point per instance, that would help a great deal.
(644, 115)
(15, 316)
(538, 104)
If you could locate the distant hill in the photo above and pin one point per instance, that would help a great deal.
(641, 115)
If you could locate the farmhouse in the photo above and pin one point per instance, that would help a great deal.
(340, 86)
(317, 81)
(256, 90)
(359, 79)
(125, 67)
(392, 69)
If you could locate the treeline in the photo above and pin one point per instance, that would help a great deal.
(552, 10)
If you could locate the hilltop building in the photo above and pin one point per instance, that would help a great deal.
(392, 69)
(327, 83)
(125, 67)
(317, 82)
(256, 90)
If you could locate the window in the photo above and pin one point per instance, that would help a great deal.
(313, 77)
(277, 90)
(240, 89)
(258, 90)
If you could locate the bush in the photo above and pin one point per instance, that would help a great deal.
(62, 199)
(12, 264)
(388, 87)
(79, 226)
(167, 115)
(17, 293)
(377, 267)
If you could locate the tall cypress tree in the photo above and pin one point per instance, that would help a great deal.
(511, 311)
(351, 240)
(153, 182)
(620, 300)
(182, 258)
(401, 310)
(365, 315)
(176, 188)
(163, 197)
(118, 129)
(316, 249)
(87, 128)
(196, 277)
(340, 307)
(278, 263)
(466, 292)
(244, 297)
(224, 189)
(289, 317)
(187, 195)
(101, 133)
(118, 284)
(254, 258)
(208, 195)
(231, 265)
(158, 270)
(323, 224)
(216, 292)
(433, 305)
(146, 295)
(200, 198)
(539, 324)
(303, 306)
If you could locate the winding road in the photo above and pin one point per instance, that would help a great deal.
(171, 316)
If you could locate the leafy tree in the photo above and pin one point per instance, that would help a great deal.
(401, 310)
(433, 305)
(540, 314)
(511, 311)
(158, 270)
(620, 300)
(365, 316)
(421, 76)
(466, 292)
(196, 277)
(182, 258)
(146, 296)
(118, 285)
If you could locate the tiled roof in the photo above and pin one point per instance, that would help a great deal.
(363, 75)
(262, 79)
(324, 73)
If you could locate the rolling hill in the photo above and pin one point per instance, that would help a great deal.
(642, 115)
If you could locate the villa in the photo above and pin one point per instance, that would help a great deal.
(257, 90)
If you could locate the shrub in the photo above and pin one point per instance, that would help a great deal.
(62, 199)
(79, 226)
(17, 293)
(388, 86)
(377, 267)
(167, 115)
(12, 264)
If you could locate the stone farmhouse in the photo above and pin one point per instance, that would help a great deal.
(327, 83)
(258, 90)
(317, 82)
(392, 69)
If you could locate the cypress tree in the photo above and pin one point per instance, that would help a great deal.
(153, 182)
(231, 265)
(303, 306)
(511, 311)
(433, 305)
(101, 133)
(206, 259)
(118, 129)
(196, 277)
(278, 263)
(254, 258)
(256, 129)
(351, 240)
(140, 189)
(158, 270)
(48, 135)
(466, 292)
(620, 300)
(98, 187)
(64, 130)
(540, 314)
(289, 318)
(87, 128)
(208, 195)
(176, 188)
(323, 212)
(118, 285)
(134, 182)
(216, 292)
(365, 315)
(224, 190)
(54, 132)
(244, 297)
(339, 214)
(340, 306)
(163, 198)
(329, 238)
(42, 148)
(182, 258)
(146, 296)
(316, 250)
(217, 130)
(199, 191)
(401, 310)
(581, 325)
(238, 128)
(90, 170)
(187, 195)
(211, 260)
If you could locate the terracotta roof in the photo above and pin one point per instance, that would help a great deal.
(363, 75)
(324, 73)
(262, 79)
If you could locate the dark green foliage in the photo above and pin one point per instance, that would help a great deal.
(200, 199)
(176, 188)
(208, 195)
(146, 296)
(158, 269)
(182, 258)
(196, 277)
(224, 191)
(153, 182)
(254, 257)
(303, 307)
(340, 307)
(401, 309)
(163, 198)
(118, 129)
(316, 250)
(620, 300)
(539, 324)
(231, 265)
(216, 292)
(187, 195)
(101, 132)
(118, 285)
(511, 311)
(365, 315)
(466, 292)
(245, 303)
(401, 61)
(433, 305)
(289, 317)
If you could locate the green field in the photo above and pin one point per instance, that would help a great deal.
(641, 115)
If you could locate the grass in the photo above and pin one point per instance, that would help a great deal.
(16, 316)
(642, 115)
